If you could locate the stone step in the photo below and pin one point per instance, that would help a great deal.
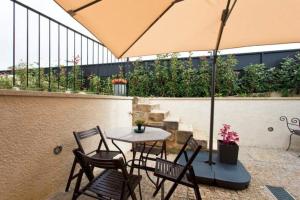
(155, 124)
(158, 115)
(146, 107)
(203, 138)
(183, 133)
(171, 123)
(143, 100)
(185, 127)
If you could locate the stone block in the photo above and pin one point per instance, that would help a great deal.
(158, 115)
(146, 107)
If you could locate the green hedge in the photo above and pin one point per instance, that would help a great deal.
(173, 78)
(178, 78)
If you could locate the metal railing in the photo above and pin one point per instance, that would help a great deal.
(101, 59)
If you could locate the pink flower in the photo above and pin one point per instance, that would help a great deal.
(76, 60)
(227, 135)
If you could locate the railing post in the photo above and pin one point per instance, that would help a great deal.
(58, 56)
(102, 54)
(27, 45)
(98, 53)
(93, 53)
(74, 64)
(87, 51)
(39, 49)
(67, 57)
(81, 70)
(49, 70)
(14, 44)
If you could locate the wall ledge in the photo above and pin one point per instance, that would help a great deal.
(223, 98)
(27, 93)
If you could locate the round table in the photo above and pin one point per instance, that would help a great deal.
(127, 134)
(151, 134)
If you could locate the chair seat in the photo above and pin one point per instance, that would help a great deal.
(170, 171)
(102, 154)
(109, 184)
(156, 150)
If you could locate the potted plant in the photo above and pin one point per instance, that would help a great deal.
(119, 86)
(140, 126)
(228, 148)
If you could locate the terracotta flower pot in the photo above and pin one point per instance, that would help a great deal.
(228, 153)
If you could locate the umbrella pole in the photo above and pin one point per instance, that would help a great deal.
(212, 106)
(225, 15)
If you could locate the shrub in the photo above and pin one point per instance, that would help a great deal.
(160, 76)
(5, 81)
(287, 75)
(201, 83)
(140, 80)
(254, 79)
(189, 77)
(226, 78)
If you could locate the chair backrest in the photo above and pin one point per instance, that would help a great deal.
(87, 164)
(293, 125)
(194, 147)
(81, 135)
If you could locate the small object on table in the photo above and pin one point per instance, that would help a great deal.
(140, 126)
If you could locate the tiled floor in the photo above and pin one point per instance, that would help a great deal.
(266, 166)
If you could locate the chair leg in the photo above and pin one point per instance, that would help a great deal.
(132, 194)
(197, 193)
(161, 156)
(133, 158)
(158, 187)
(77, 186)
(71, 175)
(140, 191)
(174, 186)
(289, 142)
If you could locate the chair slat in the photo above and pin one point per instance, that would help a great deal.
(177, 173)
(87, 133)
(110, 183)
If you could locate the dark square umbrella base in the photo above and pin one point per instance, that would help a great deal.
(234, 177)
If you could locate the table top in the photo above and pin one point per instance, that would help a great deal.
(127, 134)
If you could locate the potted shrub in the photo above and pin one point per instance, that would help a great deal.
(119, 86)
(228, 148)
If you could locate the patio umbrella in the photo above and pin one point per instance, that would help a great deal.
(146, 27)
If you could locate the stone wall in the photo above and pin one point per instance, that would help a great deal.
(250, 117)
(33, 123)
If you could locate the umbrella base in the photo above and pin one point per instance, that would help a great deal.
(228, 176)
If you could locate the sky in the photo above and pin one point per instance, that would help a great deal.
(50, 8)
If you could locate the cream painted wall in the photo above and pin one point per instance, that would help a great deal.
(33, 123)
(250, 117)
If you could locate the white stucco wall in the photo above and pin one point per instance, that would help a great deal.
(33, 123)
(250, 117)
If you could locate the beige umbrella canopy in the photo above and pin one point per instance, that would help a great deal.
(146, 27)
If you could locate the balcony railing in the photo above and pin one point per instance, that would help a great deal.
(95, 52)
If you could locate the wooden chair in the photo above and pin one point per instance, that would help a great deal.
(97, 153)
(177, 173)
(113, 183)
